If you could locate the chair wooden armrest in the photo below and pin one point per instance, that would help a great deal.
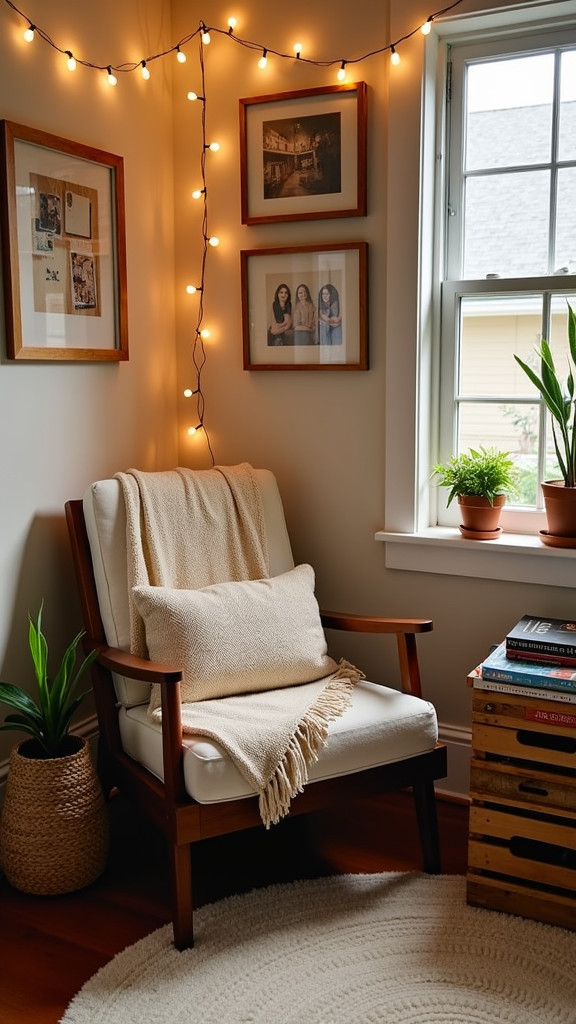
(405, 631)
(134, 667)
(169, 678)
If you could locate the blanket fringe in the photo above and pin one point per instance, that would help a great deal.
(291, 773)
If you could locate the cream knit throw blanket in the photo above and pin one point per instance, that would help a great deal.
(190, 529)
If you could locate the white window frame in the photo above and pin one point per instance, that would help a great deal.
(415, 192)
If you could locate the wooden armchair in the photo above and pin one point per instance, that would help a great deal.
(386, 741)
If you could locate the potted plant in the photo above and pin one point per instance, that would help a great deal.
(559, 398)
(481, 479)
(54, 826)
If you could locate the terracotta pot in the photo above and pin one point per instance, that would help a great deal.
(480, 517)
(54, 828)
(560, 505)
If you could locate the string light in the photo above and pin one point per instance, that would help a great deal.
(32, 30)
(202, 334)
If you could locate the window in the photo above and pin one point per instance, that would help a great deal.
(506, 235)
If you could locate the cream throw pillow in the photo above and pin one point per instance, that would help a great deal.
(240, 637)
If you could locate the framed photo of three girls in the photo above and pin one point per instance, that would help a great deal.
(303, 157)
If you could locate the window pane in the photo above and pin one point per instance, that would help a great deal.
(509, 112)
(567, 148)
(506, 218)
(492, 331)
(566, 219)
(510, 428)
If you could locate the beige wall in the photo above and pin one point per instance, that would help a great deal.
(322, 433)
(64, 425)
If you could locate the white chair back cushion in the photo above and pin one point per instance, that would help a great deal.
(105, 518)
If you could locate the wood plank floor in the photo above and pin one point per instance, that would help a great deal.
(49, 946)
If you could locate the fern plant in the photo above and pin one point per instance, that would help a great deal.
(485, 472)
(47, 719)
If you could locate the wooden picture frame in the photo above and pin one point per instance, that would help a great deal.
(322, 323)
(63, 248)
(303, 154)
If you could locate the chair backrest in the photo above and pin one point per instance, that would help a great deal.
(105, 518)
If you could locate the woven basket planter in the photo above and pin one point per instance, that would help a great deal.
(54, 827)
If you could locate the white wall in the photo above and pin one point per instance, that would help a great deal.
(63, 425)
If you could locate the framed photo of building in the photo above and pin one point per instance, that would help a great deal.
(303, 154)
(305, 307)
(63, 248)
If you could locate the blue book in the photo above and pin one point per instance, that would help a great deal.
(499, 668)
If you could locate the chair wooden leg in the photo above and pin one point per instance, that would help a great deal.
(182, 905)
(425, 802)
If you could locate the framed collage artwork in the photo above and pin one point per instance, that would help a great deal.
(63, 248)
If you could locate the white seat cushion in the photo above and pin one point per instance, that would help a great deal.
(381, 726)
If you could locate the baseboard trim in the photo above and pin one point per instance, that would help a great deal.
(459, 744)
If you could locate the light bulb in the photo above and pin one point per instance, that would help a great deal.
(188, 392)
(263, 59)
(206, 37)
(71, 62)
(232, 22)
(197, 193)
(214, 146)
(213, 241)
(192, 96)
(145, 71)
(297, 49)
(29, 33)
(394, 57)
(192, 430)
(112, 80)
(191, 289)
(180, 57)
(342, 72)
(425, 30)
(205, 333)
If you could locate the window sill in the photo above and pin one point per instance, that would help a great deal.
(521, 558)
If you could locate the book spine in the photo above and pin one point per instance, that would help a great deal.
(517, 690)
(541, 648)
(545, 657)
(502, 675)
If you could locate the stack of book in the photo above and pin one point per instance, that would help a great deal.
(537, 654)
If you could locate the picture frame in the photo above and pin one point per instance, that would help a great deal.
(63, 248)
(303, 154)
(322, 323)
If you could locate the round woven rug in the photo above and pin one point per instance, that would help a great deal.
(400, 948)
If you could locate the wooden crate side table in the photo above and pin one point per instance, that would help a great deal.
(522, 834)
